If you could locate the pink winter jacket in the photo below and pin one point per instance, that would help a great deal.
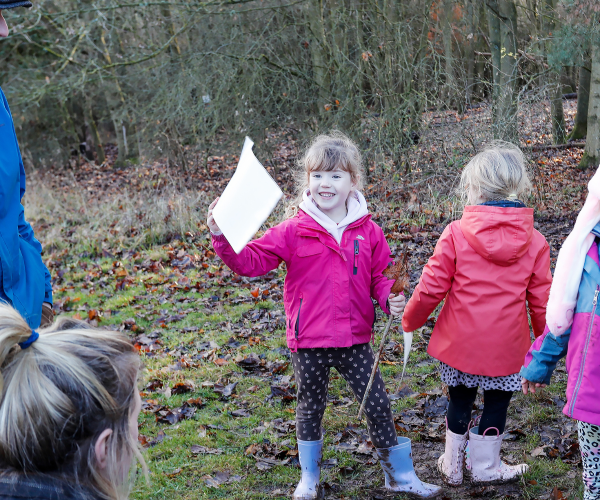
(489, 268)
(328, 287)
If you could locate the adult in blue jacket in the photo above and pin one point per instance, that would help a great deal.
(24, 279)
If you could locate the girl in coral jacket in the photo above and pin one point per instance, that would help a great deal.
(488, 266)
(572, 329)
(335, 255)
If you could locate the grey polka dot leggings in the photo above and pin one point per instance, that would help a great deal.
(312, 367)
(589, 444)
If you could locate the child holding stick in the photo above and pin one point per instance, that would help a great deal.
(489, 266)
(335, 256)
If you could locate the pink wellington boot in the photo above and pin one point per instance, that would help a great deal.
(483, 459)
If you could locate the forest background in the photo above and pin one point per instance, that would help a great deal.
(131, 116)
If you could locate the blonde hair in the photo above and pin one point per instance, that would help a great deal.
(59, 394)
(327, 152)
(498, 172)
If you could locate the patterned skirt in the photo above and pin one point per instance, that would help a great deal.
(453, 377)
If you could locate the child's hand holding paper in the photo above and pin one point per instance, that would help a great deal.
(210, 221)
(246, 203)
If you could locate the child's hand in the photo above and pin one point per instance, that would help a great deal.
(527, 385)
(210, 221)
(396, 304)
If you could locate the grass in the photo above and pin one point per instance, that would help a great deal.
(91, 283)
(112, 252)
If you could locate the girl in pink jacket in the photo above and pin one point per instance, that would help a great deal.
(335, 255)
(489, 268)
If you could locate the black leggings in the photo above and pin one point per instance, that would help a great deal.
(311, 368)
(495, 406)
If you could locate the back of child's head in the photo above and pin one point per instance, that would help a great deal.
(498, 172)
(59, 394)
(325, 153)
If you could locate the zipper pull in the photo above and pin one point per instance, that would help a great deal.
(355, 270)
(596, 295)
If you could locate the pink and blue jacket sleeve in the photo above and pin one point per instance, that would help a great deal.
(544, 354)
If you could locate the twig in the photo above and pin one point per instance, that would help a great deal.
(375, 366)
(559, 146)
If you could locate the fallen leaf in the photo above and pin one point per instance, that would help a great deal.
(225, 390)
(538, 452)
(182, 387)
(196, 449)
(242, 413)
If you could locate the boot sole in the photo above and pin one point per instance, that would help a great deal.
(414, 496)
(320, 495)
(474, 482)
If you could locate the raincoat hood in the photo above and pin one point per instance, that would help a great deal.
(500, 235)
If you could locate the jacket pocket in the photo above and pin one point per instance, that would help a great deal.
(297, 328)
(310, 249)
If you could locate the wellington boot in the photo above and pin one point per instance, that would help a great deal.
(400, 476)
(310, 453)
(451, 463)
(483, 460)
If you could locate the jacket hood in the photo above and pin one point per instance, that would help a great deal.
(500, 235)
(357, 209)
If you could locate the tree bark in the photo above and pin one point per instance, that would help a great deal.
(506, 127)
(591, 155)
(318, 48)
(495, 43)
(583, 100)
(470, 51)
(450, 87)
(557, 114)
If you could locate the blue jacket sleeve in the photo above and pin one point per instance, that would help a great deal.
(26, 232)
(543, 356)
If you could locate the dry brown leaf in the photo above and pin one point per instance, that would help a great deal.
(398, 272)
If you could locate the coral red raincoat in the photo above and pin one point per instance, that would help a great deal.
(328, 287)
(489, 266)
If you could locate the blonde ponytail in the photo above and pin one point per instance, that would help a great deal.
(58, 394)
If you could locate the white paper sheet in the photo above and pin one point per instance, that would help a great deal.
(408, 338)
(247, 201)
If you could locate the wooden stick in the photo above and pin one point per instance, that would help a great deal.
(375, 366)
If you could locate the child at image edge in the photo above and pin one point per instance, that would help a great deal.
(572, 330)
(488, 266)
(335, 255)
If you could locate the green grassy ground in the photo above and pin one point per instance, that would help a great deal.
(196, 327)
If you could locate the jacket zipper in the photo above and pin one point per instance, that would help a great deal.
(355, 257)
(587, 343)
(298, 319)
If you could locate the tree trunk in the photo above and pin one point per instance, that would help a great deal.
(506, 127)
(591, 155)
(495, 43)
(583, 100)
(557, 114)
(470, 50)
(318, 49)
(450, 87)
(93, 127)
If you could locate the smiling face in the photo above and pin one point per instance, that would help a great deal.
(330, 190)
(3, 26)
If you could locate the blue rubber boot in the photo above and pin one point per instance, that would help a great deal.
(310, 454)
(400, 476)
